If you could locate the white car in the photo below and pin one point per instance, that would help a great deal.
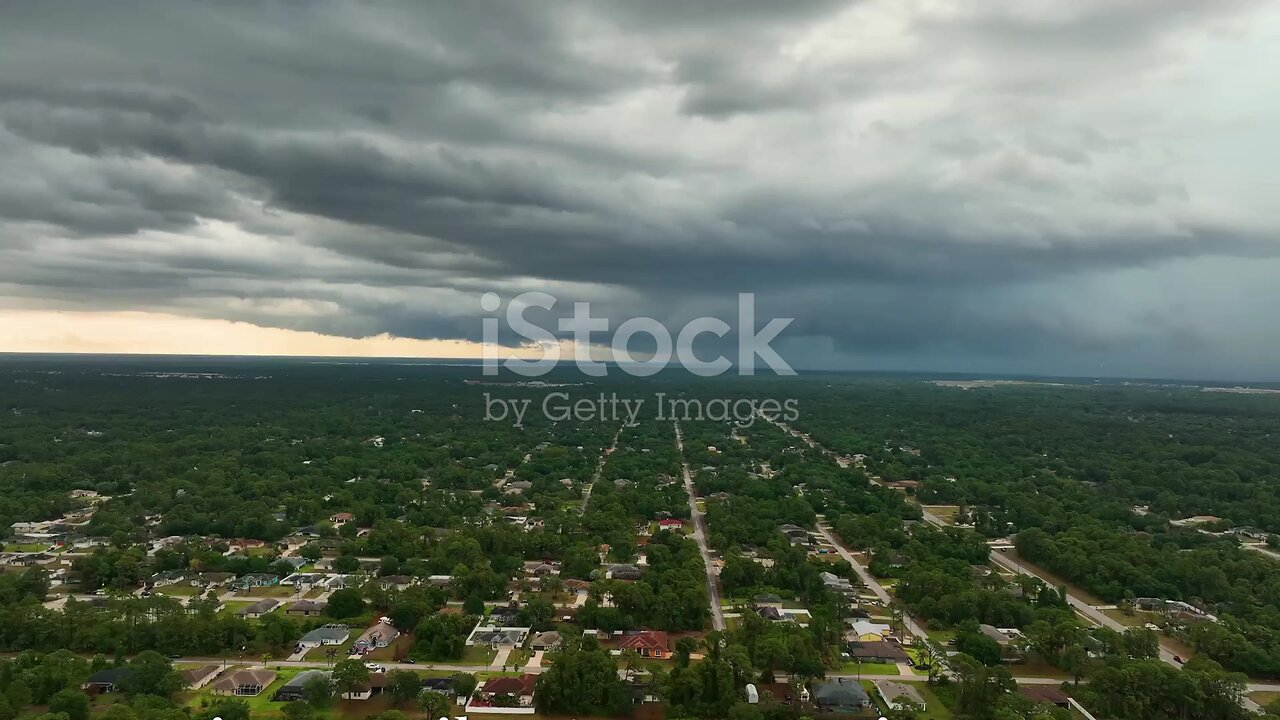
(375, 667)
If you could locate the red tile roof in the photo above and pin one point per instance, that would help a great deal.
(522, 685)
(644, 639)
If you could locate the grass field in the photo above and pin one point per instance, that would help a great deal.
(868, 668)
(934, 709)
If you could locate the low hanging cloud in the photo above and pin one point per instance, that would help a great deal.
(1076, 188)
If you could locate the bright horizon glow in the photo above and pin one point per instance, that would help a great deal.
(151, 333)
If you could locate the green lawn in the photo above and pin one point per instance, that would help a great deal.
(869, 668)
(934, 709)
(477, 655)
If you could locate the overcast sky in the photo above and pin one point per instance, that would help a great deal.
(1034, 186)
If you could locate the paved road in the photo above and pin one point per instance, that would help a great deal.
(869, 580)
(595, 477)
(700, 535)
(1090, 612)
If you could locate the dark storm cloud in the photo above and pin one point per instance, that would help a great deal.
(903, 176)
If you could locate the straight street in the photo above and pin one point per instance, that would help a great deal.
(700, 535)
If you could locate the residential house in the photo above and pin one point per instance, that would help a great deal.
(293, 689)
(623, 571)
(899, 695)
(211, 579)
(105, 681)
(331, 634)
(395, 582)
(168, 577)
(503, 615)
(1045, 694)
(197, 678)
(258, 609)
(518, 692)
(767, 600)
(380, 635)
(836, 584)
(497, 636)
(671, 524)
(842, 695)
(878, 652)
(442, 685)
(648, 643)
(305, 608)
(547, 641)
(256, 580)
(541, 569)
(869, 631)
(771, 613)
(375, 685)
(341, 518)
(1003, 636)
(244, 683)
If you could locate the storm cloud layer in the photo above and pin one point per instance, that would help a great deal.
(1010, 185)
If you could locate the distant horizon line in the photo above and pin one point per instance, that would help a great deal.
(476, 362)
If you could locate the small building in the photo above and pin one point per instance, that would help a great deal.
(379, 636)
(495, 636)
(899, 695)
(842, 695)
(869, 631)
(767, 600)
(105, 681)
(878, 652)
(196, 678)
(547, 641)
(256, 580)
(395, 582)
(305, 608)
(1045, 694)
(623, 571)
(648, 643)
(258, 609)
(331, 634)
(518, 692)
(442, 685)
(293, 688)
(248, 682)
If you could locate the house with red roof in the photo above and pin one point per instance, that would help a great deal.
(508, 695)
(648, 643)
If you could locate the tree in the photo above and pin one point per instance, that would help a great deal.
(473, 605)
(73, 703)
(227, 709)
(151, 674)
(6, 710)
(464, 684)
(18, 695)
(979, 687)
(403, 686)
(433, 704)
(317, 691)
(973, 643)
(349, 675)
(582, 679)
(299, 711)
(345, 603)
